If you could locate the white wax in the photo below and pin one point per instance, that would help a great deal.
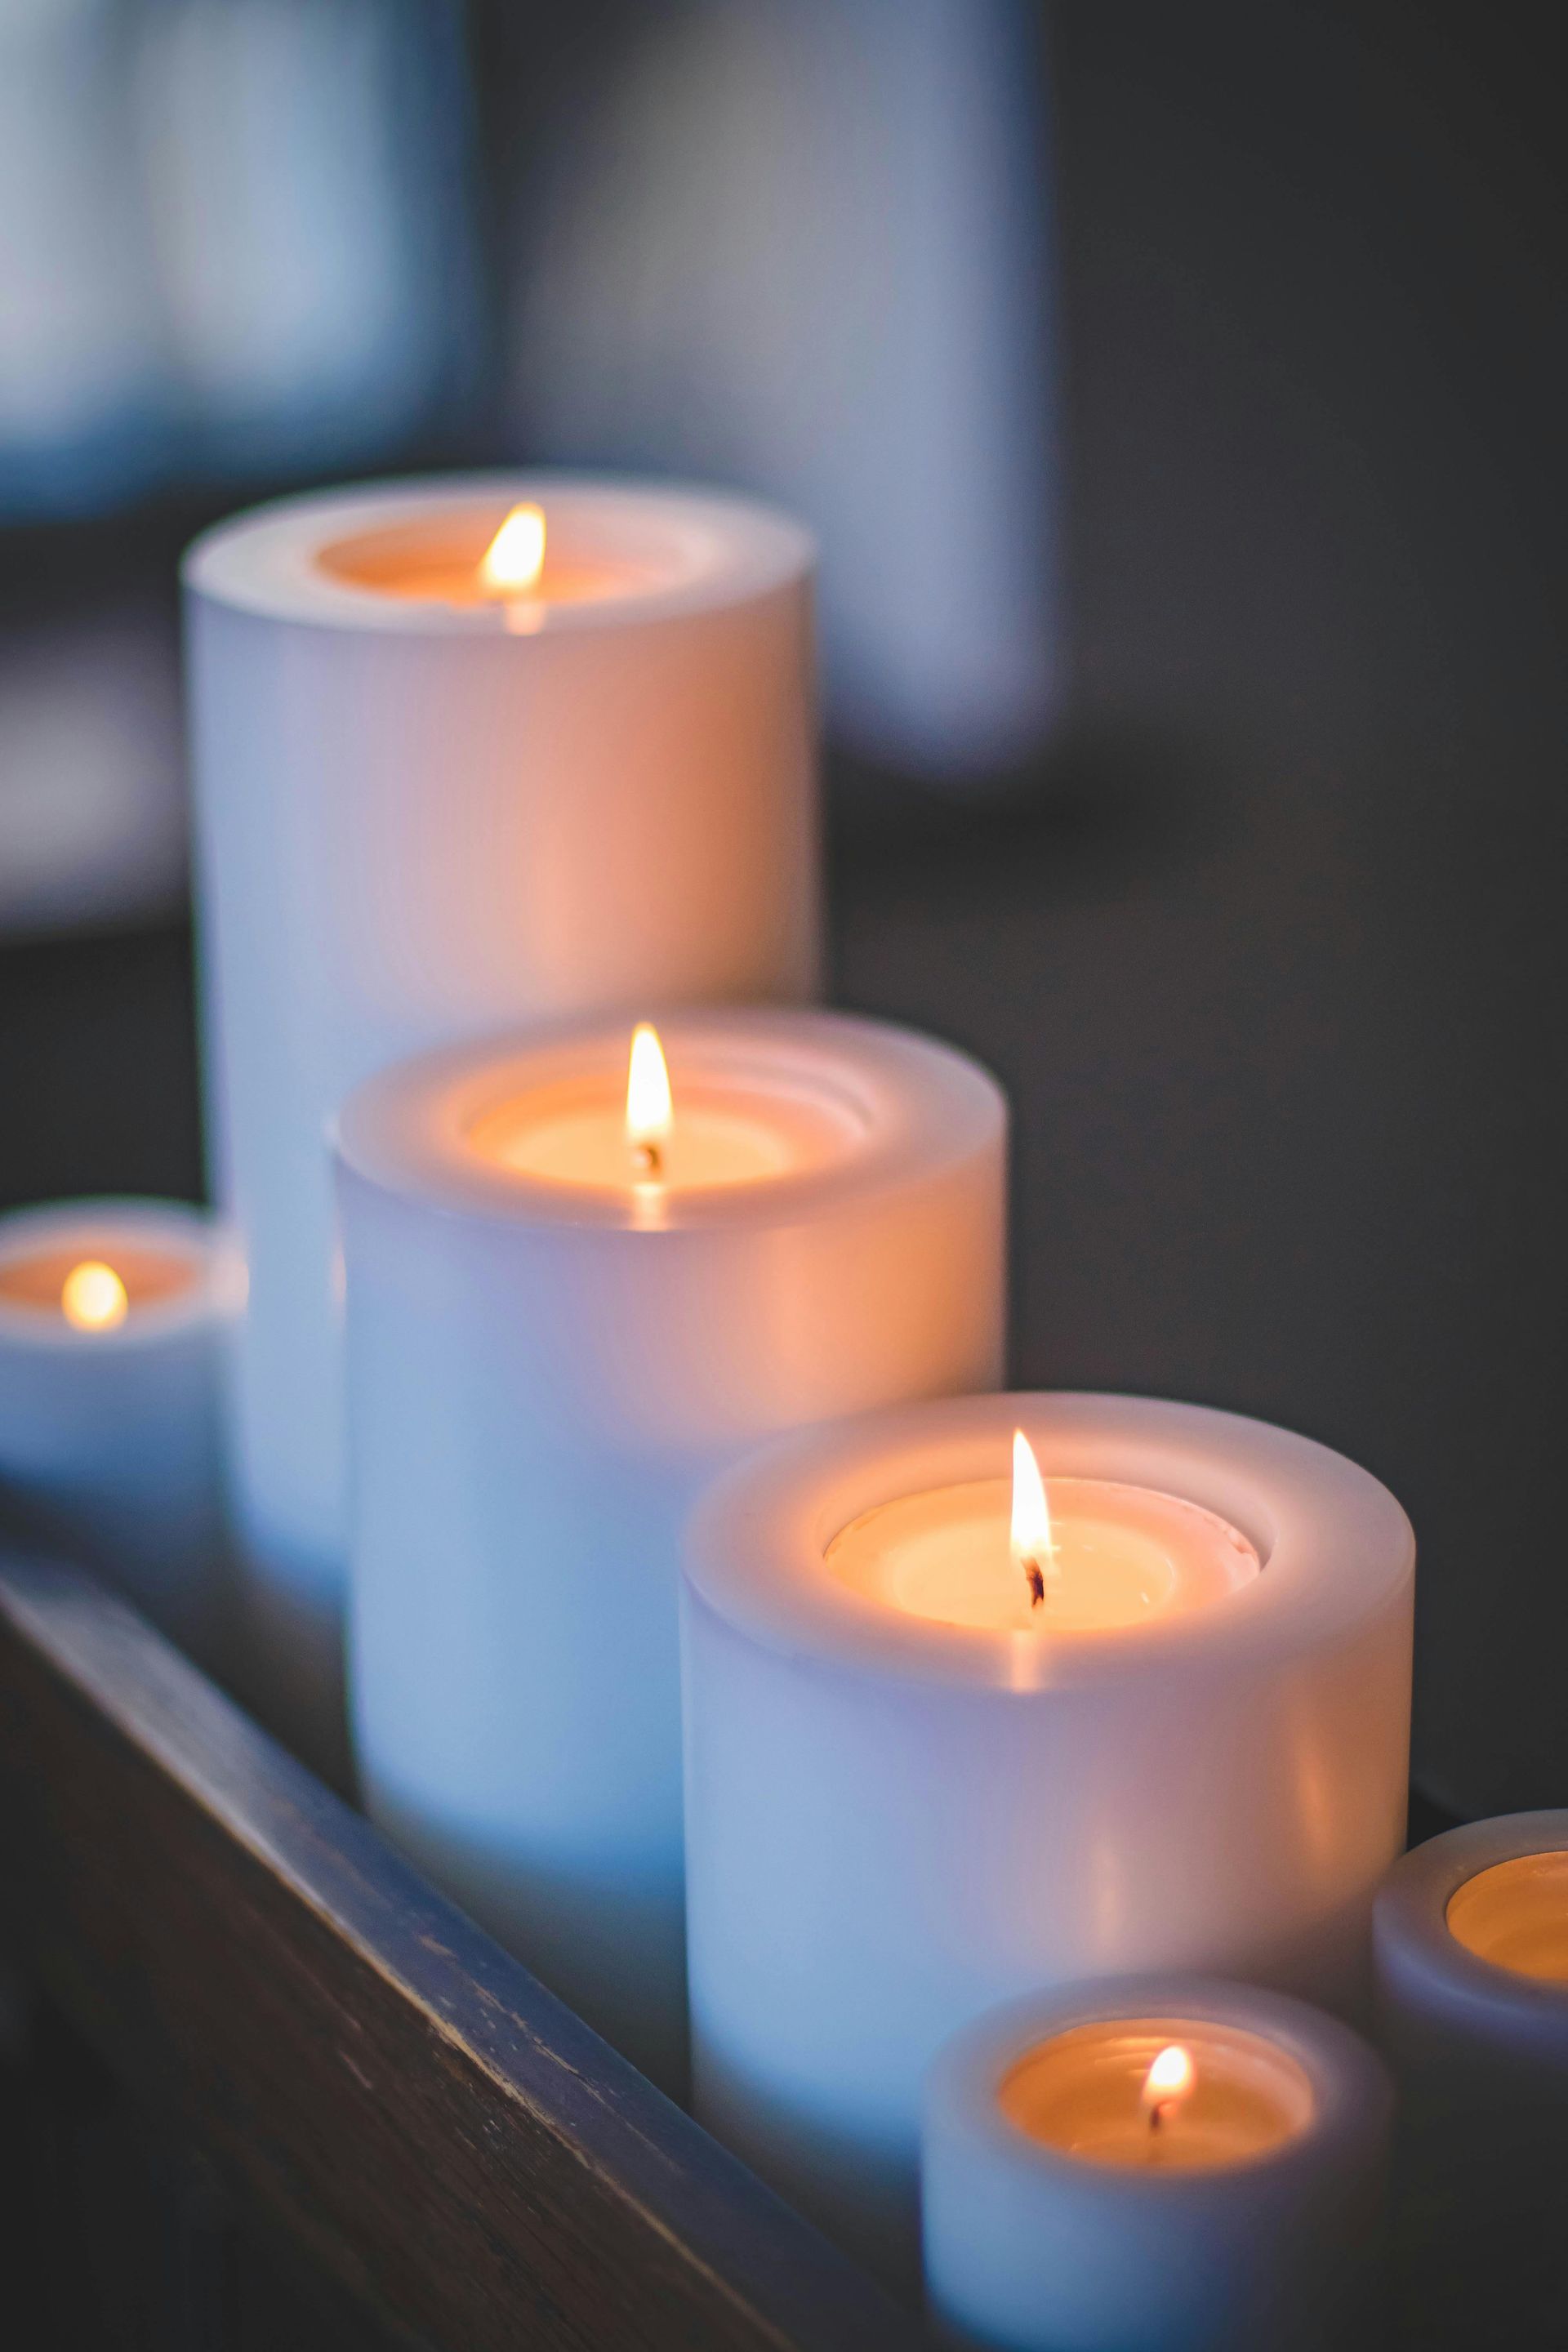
(1058, 2219)
(109, 1426)
(894, 1821)
(424, 813)
(1471, 1934)
(545, 1369)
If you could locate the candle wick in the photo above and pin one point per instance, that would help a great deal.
(647, 1159)
(1032, 1570)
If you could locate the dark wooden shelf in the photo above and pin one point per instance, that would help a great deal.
(359, 2062)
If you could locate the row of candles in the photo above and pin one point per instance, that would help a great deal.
(985, 1782)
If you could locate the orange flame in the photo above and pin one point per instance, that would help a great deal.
(650, 1113)
(514, 559)
(1034, 1549)
(93, 1297)
(1171, 2077)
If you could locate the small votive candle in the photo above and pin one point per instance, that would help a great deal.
(1155, 2165)
(582, 1279)
(1007, 1691)
(1470, 1936)
(113, 1315)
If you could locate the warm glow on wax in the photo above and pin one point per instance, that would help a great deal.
(514, 559)
(93, 1297)
(1033, 1548)
(1170, 2078)
(649, 1111)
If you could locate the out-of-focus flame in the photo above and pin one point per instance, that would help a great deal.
(1170, 2078)
(514, 559)
(649, 1111)
(1033, 1548)
(93, 1297)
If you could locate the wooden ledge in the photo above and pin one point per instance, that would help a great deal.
(361, 2063)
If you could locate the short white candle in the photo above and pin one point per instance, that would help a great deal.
(113, 1315)
(453, 776)
(913, 1791)
(1156, 2164)
(1471, 1935)
(569, 1303)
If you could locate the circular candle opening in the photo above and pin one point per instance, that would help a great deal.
(1122, 1555)
(1515, 1914)
(436, 557)
(1084, 2091)
(576, 1134)
(149, 1277)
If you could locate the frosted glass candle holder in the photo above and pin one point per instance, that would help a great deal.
(427, 809)
(1470, 1936)
(1068, 2206)
(550, 1353)
(113, 1318)
(896, 1818)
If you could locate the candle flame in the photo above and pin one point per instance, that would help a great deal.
(1034, 1548)
(1170, 2078)
(514, 559)
(93, 1297)
(649, 1110)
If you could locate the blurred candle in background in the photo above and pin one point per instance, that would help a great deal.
(113, 1318)
(577, 1289)
(447, 780)
(1167, 2164)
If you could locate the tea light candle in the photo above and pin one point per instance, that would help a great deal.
(112, 1317)
(943, 1745)
(1155, 2164)
(468, 755)
(1471, 1935)
(579, 1283)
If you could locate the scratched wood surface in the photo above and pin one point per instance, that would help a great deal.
(358, 2062)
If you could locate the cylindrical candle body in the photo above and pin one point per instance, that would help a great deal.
(422, 815)
(894, 1824)
(1031, 2248)
(1480, 2049)
(110, 1432)
(541, 1379)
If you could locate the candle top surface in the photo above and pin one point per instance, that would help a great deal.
(1112, 1555)
(769, 1115)
(1158, 2095)
(83, 1272)
(1329, 1547)
(1515, 1915)
(414, 557)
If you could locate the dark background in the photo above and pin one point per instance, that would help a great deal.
(1259, 921)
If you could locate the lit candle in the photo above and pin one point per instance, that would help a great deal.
(938, 1754)
(1471, 1941)
(112, 1317)
(1155, 2165)
(468, 755)
(581, 1277)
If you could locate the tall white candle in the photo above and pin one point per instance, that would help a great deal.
(1471, 1934)
(913, 1788)
(112, 1317)
(569, 1303)
(448, 781)
(1156, 2164)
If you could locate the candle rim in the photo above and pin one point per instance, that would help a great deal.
(926, 1106)
(1410, 1925)
(90, 1226)
(1349, 2082)
(1334, 1547)
(263, 561)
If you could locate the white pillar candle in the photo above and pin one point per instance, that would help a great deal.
(566, 1310)
(1471, 1935)
(112, 1317)
(1156, 2164)
(449, 782)
(914, 1789)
